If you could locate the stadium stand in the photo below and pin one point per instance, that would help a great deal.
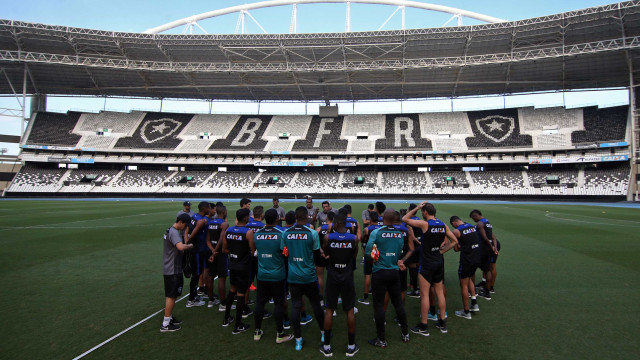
(231, 181)
(53, 129)
(245, 135)
(532, 119)
(402, 132)
(496, 129)
(323, 135)
(439, 178)
(498, 182)
(136, 181)
(33, 178)
(156, 131)
(608, 124)
(614, 181)
(214, 126)
(310, 182)
(117, 122)
(399, 182)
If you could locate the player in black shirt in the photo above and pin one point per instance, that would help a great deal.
(238, 243)
(434, 243)
(489, 246)
(412, 263)
(468, 247)
(341, 249)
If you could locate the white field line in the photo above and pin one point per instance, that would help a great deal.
(122, 332)
(550, 215)
(80, 221)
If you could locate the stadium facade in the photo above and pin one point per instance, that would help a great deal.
(523, 152)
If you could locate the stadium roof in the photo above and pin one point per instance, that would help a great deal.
(589, 48)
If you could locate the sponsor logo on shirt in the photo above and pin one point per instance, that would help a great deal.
(267, 237)
(297, 236)
(341, 245)
(392, 235)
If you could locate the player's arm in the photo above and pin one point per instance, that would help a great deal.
(199, 225)
(483, 235)
(182, 246)
(186, 234)
(223, 230)
(415, 223)
(225, 244)
(457, 234)
(318, 254)
(359, 233)
(453, 241)
(495, 243)
(252, 245)
(368, 248)
(412, 239)
(325, 246)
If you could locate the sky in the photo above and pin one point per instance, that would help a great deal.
(139, 15)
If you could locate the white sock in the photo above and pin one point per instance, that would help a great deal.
(166, 321)
(327, 347)
(351, 347)
(473, 297)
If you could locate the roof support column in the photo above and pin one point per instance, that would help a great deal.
(24, 101)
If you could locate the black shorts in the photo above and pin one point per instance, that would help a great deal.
(485, 261)
(340, 285)
(414, 258)
(466, 269)
(173, 285)
(433, 274)
(494, 257)
(240, 278)
(322, 262)
(220, 266)
(368, 265)
(310, 290)
(403, 280)
(199, 262)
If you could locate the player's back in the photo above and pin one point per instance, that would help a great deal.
(301, 241)
(468, 242)
(389, 242)
(238, 245)
(341, 248)
(270, 259)
(431, 241)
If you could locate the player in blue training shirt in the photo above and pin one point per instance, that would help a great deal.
(368, 264)
(198, 234)
(469, 248)
(490, 249)
(321, 263)
(238, 244)
(434, 244)
(271, 275)
(341, 248)
(218, 262)
(387, 262)
(302, 245)
(412, 263)
(255, 223)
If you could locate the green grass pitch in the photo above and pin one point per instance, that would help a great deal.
(76, 273)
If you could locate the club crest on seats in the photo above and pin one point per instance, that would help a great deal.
(155, 130)
(496, 127)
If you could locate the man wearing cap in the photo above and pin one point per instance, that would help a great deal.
(279, 210)
(172, 270)
(186, 209)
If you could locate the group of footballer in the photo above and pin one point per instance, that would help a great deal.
(285, 255)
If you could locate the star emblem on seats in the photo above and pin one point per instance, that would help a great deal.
(160, 128)
(152, 131)
(496, 127)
